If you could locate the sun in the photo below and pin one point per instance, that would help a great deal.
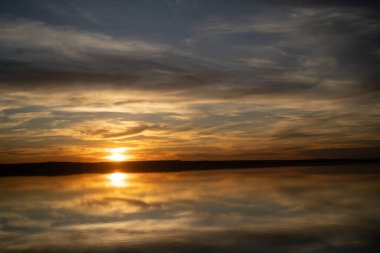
(117, 154)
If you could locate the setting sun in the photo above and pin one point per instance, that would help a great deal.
(117, 154)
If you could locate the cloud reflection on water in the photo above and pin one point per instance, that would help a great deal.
(281, 210)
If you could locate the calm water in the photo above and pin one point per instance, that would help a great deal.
(271, 210)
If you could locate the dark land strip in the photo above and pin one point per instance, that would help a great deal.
(72, 168)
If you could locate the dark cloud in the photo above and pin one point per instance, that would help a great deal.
(290, 134)
(350, 153)
(109, 132)
(306, 3)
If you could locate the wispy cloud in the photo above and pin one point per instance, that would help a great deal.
(33, 36)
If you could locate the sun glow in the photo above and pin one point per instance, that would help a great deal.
(117, 154)
(118, 179)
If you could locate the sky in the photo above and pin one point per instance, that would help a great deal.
(189, 80)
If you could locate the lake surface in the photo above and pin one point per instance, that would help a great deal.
(308, 209)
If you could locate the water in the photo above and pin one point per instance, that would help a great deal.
(269, 210)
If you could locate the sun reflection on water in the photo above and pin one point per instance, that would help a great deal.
(122, 212)
(118, 179)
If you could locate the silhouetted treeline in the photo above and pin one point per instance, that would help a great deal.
(70, 168)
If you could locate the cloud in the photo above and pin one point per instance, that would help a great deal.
(260, 63)
(70, 42)
(65, 58)
(40, 55)
(110, 129)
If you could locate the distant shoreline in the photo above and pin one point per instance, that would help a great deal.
(73, 168)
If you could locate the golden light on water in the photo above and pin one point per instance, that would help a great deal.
(118, 179)
(117, 154)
